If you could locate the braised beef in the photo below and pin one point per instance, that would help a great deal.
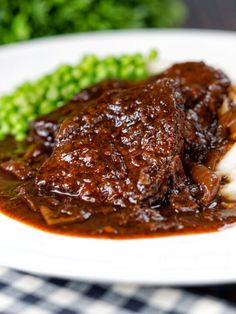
(119, 147)
(208, 181)
(127, 157)
(44, 128)
(205, 90)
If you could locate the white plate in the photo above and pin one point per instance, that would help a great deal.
(189, 259)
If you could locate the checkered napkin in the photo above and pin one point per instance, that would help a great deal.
(22, 293)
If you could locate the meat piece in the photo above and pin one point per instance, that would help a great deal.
(18, 168)
(180, 197)
(200, 82)
(43, 130)
(205, 89)
(119, 148)
(122, 142)
(53, 218)
(98, 89)
(208, 181)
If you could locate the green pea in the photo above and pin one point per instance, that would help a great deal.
(52, 94)
(88, 62)
(65, 68)
(141, 73)
(125, 60)
(128, 72)
(152, 55)
(76, 74)
(5, 127)
(101, 72)
(66, 78)
(85, 82)
(45, 107)
(68, 91)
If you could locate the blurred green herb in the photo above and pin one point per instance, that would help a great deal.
(24, 19)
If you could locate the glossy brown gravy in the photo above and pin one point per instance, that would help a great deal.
(124, 160)
(105, 225)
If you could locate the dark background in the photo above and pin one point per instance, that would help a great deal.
(211, 14)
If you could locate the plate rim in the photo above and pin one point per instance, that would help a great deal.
(60, 38)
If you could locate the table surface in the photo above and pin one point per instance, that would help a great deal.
(23, 293)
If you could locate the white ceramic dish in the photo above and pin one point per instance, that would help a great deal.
(187, 260)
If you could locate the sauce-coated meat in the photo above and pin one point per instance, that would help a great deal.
(205, 90)
(119, 147)
(45, 128)
(126, 158)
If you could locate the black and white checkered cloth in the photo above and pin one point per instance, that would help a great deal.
(22, 293)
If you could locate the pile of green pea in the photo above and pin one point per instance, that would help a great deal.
(51, 91)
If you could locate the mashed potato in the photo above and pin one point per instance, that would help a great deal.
(227, 165)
